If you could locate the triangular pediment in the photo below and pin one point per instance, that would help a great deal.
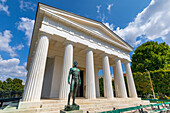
(93, 26)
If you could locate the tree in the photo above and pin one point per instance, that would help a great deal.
(101, 87)
(1, 86)
(17, 84)
(152, 56)
(142, 83)
(11, 85)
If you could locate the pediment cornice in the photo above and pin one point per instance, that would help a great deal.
(78, 20)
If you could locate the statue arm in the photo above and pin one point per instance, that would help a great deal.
(69, 75)
(79, 78)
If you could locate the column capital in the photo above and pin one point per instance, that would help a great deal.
(68, 42)
(105, 54)
(89, 49)
(117, 58)
(41, 34)
(126, 61)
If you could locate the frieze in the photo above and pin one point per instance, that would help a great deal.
(74, 32)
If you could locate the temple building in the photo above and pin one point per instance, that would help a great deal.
(59, 38)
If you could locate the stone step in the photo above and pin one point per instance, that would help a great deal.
(54, 109)
(90, 104)
(97, 105)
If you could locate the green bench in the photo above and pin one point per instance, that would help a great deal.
(137, 108)
(167, 106)
(153, 109)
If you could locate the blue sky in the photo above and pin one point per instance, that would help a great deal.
(136, 21)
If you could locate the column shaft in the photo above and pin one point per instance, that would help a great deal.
(115, 81)
(108, 92)
(90, 77)
(67, 64)
(33, 87)
(120, 80)
(130, 81)
(97, 82)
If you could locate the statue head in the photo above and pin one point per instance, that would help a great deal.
(75, 63)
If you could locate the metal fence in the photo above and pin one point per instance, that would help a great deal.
(11, 94)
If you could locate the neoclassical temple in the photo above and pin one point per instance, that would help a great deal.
(59, 38)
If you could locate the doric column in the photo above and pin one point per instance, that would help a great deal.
(108, 92)
(67, 64)
(97, 82)
(90, 77)
(130, 81)
(120, 80)
(33, 87)
(115, 81)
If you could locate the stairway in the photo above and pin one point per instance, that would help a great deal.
(96, 105)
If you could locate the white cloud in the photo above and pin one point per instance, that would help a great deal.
(5, 39)
(110, 26)
(152, 22)
(109, 7)
(4, 7)
(104, 18)
(98, 8)
(26, 25)
(11, 68)
(27, 5)
(19, 47)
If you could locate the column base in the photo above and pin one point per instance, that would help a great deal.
(28, 105)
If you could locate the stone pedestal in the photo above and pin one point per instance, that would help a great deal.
(71, 109)
(74, 111)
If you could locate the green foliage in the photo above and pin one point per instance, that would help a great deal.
(1, 86)
(160, 81)
(142, 83)
(11, 85)
(151, 56)
(101, 87)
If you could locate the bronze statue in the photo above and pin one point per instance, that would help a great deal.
(75, 82)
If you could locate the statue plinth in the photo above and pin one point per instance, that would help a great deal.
(71, 107)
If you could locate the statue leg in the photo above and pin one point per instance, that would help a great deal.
(71, 90)
(75, 91)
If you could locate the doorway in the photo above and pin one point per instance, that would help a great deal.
(80, 88)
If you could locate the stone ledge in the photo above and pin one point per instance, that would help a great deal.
(27, 105)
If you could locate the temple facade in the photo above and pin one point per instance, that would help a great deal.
(59, 38)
